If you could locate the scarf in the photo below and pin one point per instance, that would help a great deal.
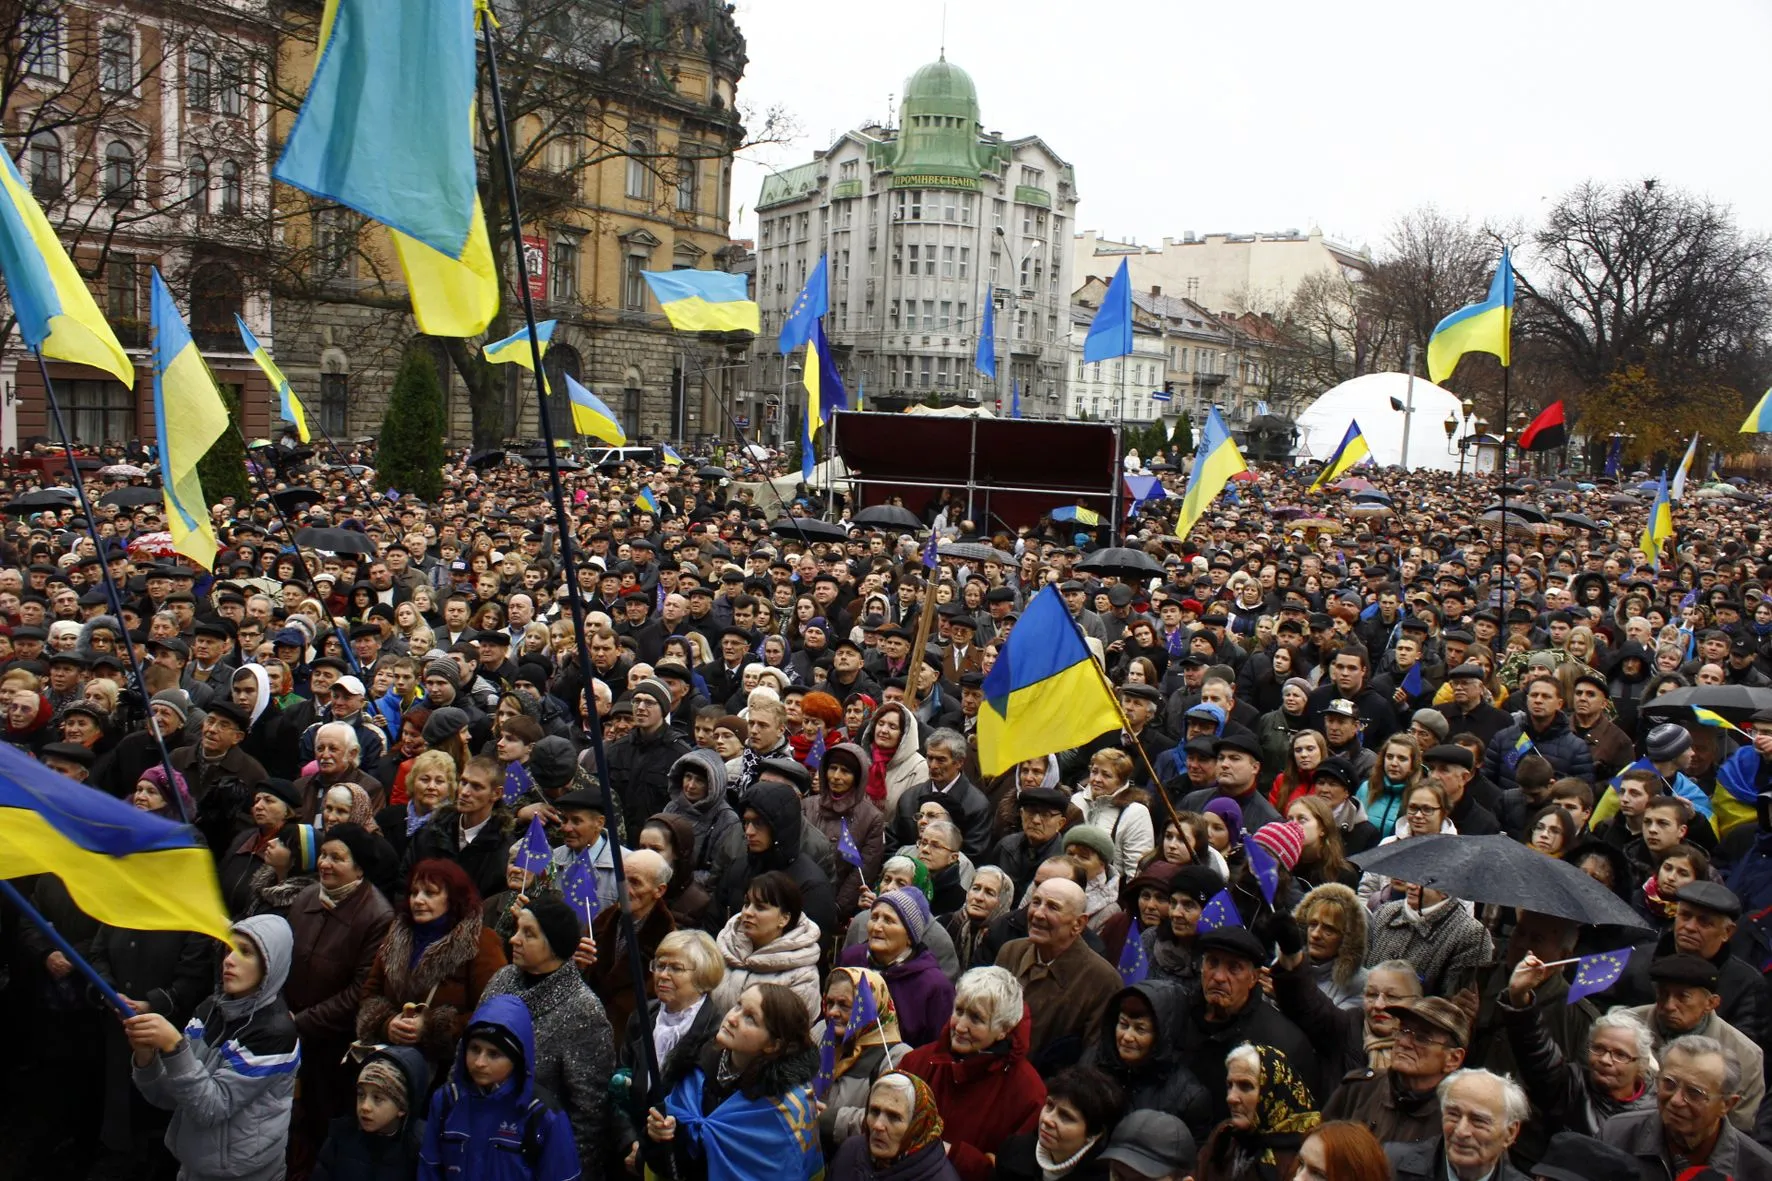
(877, 773)
(883, 1032)
(925, 1126)
(670, 1027)
(1051, 1170)
(333, 899)
(425, 934)
(414, 821)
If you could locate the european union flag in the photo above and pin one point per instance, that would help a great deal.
(930, 561)
(827, 1061)
(866, 1010)
(986, 361)
(517, 782)
(532, 851)
(1596, 973)
(814, 301)
(1220, 912)
(1412, 681)
(1110, 333)
(1134, 964)
(1613, 455)
(815, 756)
(846, 847)
(1173, 644)
(578, 885)
(1265, 869)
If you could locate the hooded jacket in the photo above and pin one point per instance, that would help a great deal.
(1161, 1082)
(779, 805)
(1565, 750)
(983, 1098)
(231, 1084)
(508, 1134)
(688, 899)
(712, 818)
(828, 813)
(791, 961)
(351, 1154)
(265, 737)
(1343, 979)
(906, 768)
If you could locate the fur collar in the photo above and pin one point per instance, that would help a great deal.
(439, 961)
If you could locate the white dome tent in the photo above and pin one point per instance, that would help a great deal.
(1368, 400)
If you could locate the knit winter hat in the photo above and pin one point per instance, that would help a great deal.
(447, 669)
(303, 844)
(1230, 812)
(1094, 838)
(655, 689)
(912, 909)
(176, 700)
(381, 1073)
(558, 922)
(1299, 683)
(552, 761)
(1283, 838)
(1668, 742)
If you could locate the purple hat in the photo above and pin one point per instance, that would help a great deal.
(180, 795)
(1231, 813)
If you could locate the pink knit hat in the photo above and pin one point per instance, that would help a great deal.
(1283, 838)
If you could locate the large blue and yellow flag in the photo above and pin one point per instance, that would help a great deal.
(1661, 522)
(56, 313)
(189, 417)
(1045, 693)
(669, 453)
(1352, 450)
(1215, 462)
(1486, 327)
(1759, 419)
(124, 867)
(646, 500)
(288, 405)
(825, 395)
(514, 349)
(591, 417)
(387, 129)
(813, 301)
(705, 301)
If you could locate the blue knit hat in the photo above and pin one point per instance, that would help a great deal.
(912, 909)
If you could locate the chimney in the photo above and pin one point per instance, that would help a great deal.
(1156, 291)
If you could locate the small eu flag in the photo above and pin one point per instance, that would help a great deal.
(1220, 912)
(1412, 680)
(827, 1061)
(579, 887)
(866, 1010)
(846, 847)
(1265, 869)
(1596, 973)
(532, 851)
(929, 559)
(815, 756)
(1173, 644)
(1134, 964)
(517, 782)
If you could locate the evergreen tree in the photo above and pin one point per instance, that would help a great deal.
(1183, 439)
(223, 467)
(410, 456)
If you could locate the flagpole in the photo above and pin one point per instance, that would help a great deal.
(1506, 381)
(1113, 532)
(113, 592)
(112, 997)
(557, 493)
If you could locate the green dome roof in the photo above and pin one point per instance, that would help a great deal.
(941, 87)
(939, 131)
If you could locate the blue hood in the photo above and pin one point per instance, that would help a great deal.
(1212, 711)
(512, 1015)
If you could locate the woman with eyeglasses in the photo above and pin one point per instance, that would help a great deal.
(1424, 812)
(686, 967)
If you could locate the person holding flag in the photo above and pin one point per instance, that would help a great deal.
(1351, 450)
(859, 1040)
(853, 823)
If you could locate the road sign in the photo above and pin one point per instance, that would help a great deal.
(741, 422)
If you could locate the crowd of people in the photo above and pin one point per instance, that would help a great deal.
(788, 927)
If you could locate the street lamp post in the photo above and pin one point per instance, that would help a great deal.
(1453, 424)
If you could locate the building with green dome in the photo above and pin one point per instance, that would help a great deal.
(922, 223)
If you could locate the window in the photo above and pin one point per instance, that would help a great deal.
(947, 262)
(947, 314)
(965, 260)
(46, 166)
(335, 243)
(122, 287)
(335, 400)
(688, 182)
(633, 286)
(926, 366)
(892, 313)
(913, 252)
(230, 87)
(41, 37)
(119, 173)
(216, 294)
(197, 184)
(228, 195)
(101, 411)
(564, 270)
(116, 60)
(844, 269)
(199, 79)
(928, 314)
(639, 174)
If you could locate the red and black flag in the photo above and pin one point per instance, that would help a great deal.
(1546, 432)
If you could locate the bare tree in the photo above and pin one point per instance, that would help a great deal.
(1431, 264)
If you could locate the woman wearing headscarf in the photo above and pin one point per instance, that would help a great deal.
(840, 803)
(698, 795)
(864, 1048)
(895, 948)
(265, 739)
(1272, 1110)
(989, 898)
(903, 1136)
(894, 762)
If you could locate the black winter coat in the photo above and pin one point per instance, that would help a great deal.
(1161, 1082)
(484, 859)
(779, 805)
(640, 771)
(1565, 750)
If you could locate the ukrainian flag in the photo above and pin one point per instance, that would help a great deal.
(1216, 461)
(387, 129)
(56, 313)
(1485, 327)
(188, 418)
(1711, 717)
(671, 458)
(124, 867)
(825, 395)
(1352, 450)
(645, 501)
(705, 301)
(1661, 522)
(1759, 419)
(289, 406)
(591, 417)
(514, 349)
(1045, 693)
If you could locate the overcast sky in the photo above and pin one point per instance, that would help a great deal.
(1283, 114)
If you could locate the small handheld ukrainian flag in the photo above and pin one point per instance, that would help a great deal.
(1661, 522)
(705, 301)
(1711, 717)
(1045, 693)
(645, 501)
(514, 349)
(591, 417)
(1216, 461)
(288, 405)
(1352, 450)
(671, 458)
(1485, 327)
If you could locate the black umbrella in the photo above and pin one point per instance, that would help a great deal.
(1622, 500)
(291, 501)
(1500, 871)
(1577, 521)
(808, 529)
(1525, 512)
(481, 460)
(975, 551)
(1121, 562)
(1378, 495)
(888, 516)
(1512, 490)
(133, 495)
(713, 472)
(43, 498)
(337, 541)
(1736, 703)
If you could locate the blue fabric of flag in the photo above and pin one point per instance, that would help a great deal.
(532, 852)
(1134, 964)
(1597, 973)
(1412, 680)
(1110, 333)
(1221, 911)
(578, 885)
(813, 301)
(846, 847)
(1265, 869)
(986, 361)
(517, 782)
